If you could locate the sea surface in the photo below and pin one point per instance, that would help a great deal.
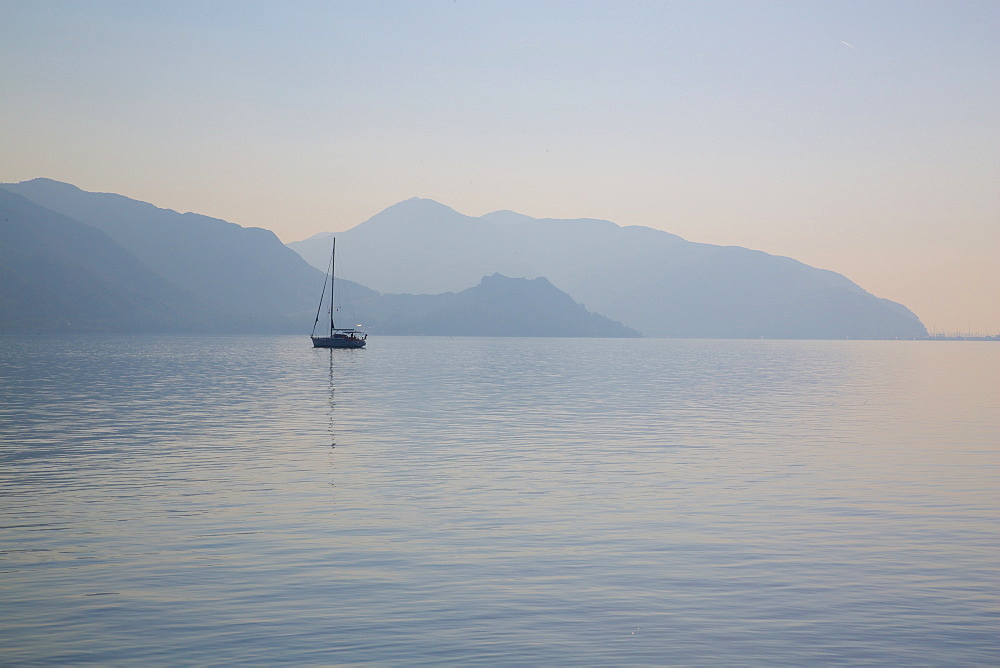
(219, 501)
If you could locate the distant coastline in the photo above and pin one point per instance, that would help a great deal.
(960, 337)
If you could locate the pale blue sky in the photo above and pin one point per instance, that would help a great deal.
(862, 137)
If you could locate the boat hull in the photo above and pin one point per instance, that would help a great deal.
(338, 342)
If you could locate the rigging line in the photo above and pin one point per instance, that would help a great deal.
(333, 279)
(322, 295)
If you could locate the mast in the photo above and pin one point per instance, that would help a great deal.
(333, 274)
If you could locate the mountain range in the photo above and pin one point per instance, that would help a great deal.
(72, 260)
(650, 280)
(88, 261)
(57, 273)
(245, 270)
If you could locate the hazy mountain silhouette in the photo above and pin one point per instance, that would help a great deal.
(498, 306)
(651, 280)
(130, 266)
(237, 269)
(58, 274)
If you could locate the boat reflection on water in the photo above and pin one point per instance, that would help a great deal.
(333, 403)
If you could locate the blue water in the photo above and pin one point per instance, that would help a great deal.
(208, 500)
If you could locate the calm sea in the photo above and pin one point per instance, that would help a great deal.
(210, 500)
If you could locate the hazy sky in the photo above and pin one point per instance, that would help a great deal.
(862, 137)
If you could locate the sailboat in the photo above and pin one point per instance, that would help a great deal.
(337, 337)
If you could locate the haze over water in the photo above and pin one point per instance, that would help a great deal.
(215, 500)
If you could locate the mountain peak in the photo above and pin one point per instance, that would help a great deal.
(507, 217)
(420, 204)
(500, 279)
(50, 185)
(414, 214)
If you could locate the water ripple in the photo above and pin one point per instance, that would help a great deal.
(207, 500)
